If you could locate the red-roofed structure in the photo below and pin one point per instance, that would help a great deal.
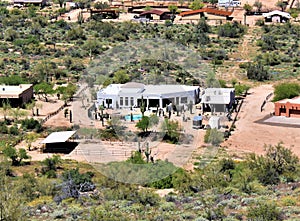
(163, 15)
(288, 107)
(208, 11)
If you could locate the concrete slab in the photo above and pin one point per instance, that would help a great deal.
(283, 120)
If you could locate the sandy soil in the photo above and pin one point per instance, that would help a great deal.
(250, 136)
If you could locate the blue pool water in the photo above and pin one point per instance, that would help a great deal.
(135, 117)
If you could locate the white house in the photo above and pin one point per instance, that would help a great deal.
(218, 99)
(276, 16)
(130, 95)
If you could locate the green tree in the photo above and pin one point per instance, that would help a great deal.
(171, 130)
(146, 122)
(50, 166)
(213, 2)
(239, 89)
(147, 8)
(258, 5)
(42, 71)
(247, 7)
(15, 155)
(143, 124)
(93, 47)
(44, 89)
(101, 5)
(281, 4)
(286, 90)
(121, 77)
(136, 158)
(196, 4)
(173, 9)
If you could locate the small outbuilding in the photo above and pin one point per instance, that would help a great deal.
(214, 122)
(218, 99)
(276, 16)
(288, 107)
(156, 15)
(16, 95)
(59, 142)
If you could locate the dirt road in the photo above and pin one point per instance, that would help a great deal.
(250, 136)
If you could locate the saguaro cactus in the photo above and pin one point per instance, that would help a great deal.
(147, 152)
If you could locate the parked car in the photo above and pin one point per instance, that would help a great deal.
(137, 18)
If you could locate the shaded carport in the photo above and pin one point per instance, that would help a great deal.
(59, 142)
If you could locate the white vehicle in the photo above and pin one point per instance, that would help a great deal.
(229, 3)
(140, 19)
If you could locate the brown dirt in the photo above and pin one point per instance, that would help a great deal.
(250, 136)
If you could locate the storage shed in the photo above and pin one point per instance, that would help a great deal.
(59, 142)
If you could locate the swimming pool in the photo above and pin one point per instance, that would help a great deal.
(134, 117)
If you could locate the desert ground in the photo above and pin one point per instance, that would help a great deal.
(251, 136)
(252, 133)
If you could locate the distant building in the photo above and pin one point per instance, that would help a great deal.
(156, 15)
(16, 95)
(30, 2)
(210, 13)
(59, 142)
(218, 99)
(288, 107)
(276, 16)
(130, 94)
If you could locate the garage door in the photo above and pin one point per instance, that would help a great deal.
(295, 113)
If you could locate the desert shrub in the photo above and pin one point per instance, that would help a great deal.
(279, 162)
(50, 166)
(231, 30)
(260, 22)
(286, 90)
(14, 130)
(268, 43)
(147, 197)
(264, 212)
(256, 71)
(213, 136)
(31, 124)
(240, 89)
(171, 129)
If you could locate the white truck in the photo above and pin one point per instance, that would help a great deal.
(228, 3)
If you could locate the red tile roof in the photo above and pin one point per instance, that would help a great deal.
(207, 10)
(154, 11)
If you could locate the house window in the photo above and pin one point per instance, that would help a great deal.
(126, 101)
(177, 100)
(121, 101)
(184, 100)
(131, 101)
